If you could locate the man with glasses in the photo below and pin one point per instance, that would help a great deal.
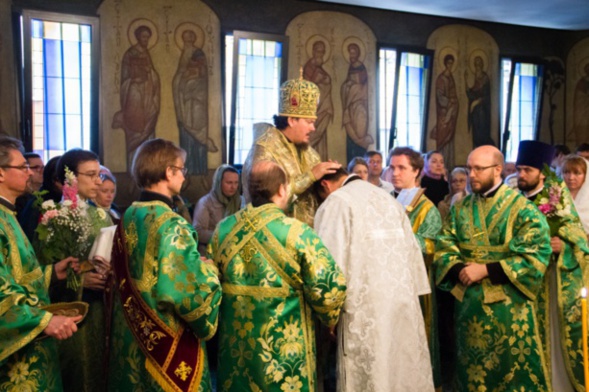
(26, 363)
(564, 277)
(165, 292)
(374, 160)
(35, 182)
(287, 144)
(37, 167)
(492, 255)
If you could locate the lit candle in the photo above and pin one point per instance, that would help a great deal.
(584, 324)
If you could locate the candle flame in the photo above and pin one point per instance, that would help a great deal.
(584, 292)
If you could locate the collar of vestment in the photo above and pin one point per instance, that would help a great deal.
(154, 196)
(7, 204)
(531, 196)
(351, 177)
(290, 145)
(491, 192)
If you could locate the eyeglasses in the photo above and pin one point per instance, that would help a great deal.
(38, 168)
(479, 169)
(184, 170)
(24, 167)
(92, 175)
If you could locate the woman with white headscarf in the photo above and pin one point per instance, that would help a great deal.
(574, 172)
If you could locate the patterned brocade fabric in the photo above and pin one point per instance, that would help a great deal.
(297, 162)
(25, 364)
(167, 271)
(498, 343)
(570, 267)
(277, 278)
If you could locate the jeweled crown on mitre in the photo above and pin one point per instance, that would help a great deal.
(298, 98)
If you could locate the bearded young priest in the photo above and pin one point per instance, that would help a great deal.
(558, 301)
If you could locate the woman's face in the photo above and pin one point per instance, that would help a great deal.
(435, 164)
(361, 171)
(574, 179)
(106, 194)
(458, 183)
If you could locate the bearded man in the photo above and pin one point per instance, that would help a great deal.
(287, 144)
(559, 299)
(491, 255)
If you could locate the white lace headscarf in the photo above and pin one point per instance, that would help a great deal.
(582, 201)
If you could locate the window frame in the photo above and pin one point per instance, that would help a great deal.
(237, 35)
(400, 49)
(24, 19)
(505, 132)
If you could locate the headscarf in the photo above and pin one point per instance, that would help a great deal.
(232, 204)
(582, 201)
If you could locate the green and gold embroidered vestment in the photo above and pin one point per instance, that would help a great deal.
(277, 276)
(499, 347)
(426, 224)
(25, 364)
(166, 269)
(81, 355)
(570, 267)
(297, 163)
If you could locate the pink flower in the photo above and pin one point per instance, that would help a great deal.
(47, 216)
(545, 208)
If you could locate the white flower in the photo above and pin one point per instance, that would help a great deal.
(66, 203)
(544, 200)
(49, 204)
(101, 213)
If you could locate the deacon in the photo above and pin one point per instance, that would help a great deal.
(559, 300)
(382, 341)
(287, 144)
(28, 359)
(491, 255)
(405, 166)
(167, 298)
(277, 278)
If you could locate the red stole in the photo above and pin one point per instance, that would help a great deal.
(173, 358)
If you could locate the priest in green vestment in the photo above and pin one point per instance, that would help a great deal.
(28, 350)
(559, 307)
(492, 255)
(173, 292)
(277, 278)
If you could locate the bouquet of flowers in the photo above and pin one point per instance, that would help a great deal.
(552, 201)
(64, 229)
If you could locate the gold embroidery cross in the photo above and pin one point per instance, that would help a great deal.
(183, 371)
(249, 224)
(479, 253)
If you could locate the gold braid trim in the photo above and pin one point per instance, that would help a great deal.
(17, 345)
(163, 381)
(255, 291)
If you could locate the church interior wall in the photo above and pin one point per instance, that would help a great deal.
(215, 18)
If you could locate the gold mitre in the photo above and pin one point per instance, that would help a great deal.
(299, 98)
